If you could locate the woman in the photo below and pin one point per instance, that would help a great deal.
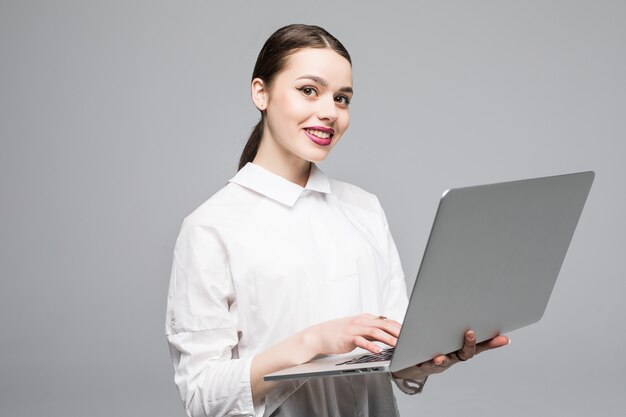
(284, 263)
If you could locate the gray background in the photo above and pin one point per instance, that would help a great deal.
(118, 118)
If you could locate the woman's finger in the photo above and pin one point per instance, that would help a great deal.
(469, 346)
(493, 343)
(360, 341)
(436, 365)
(374, 333)
(390, 326)
(441, 360)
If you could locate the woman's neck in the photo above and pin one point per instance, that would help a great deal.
(288, 166)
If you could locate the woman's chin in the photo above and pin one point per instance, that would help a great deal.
(317, 158)
(318, 155)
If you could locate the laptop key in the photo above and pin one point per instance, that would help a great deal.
(374, 357)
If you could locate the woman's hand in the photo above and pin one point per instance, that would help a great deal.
(345, 334)
(442, 362)
(334, 336)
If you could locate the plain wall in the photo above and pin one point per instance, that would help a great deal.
(118, 118)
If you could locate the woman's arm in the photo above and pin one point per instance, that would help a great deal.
(330, 337)
(202, 326)
(342, 336)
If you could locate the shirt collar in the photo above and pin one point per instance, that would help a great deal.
(277, 188)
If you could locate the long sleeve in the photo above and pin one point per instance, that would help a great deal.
(202, 327)
(395, 299)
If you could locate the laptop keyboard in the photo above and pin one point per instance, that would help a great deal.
(385, 355)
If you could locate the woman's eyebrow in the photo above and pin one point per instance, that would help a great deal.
(323, 82)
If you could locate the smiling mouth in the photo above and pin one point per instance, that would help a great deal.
(322, 134)
(319, 137)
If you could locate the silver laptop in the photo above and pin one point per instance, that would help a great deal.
(490, 265)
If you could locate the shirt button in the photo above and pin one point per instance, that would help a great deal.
(173, 321)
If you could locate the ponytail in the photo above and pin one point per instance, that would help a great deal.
(252, 146)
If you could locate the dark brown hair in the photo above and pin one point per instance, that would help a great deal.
(272, 59)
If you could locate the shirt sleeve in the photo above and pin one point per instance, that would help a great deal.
(202, 328)
(395, 299)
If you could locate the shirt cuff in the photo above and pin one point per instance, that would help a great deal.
(259, 409)
(410, 386)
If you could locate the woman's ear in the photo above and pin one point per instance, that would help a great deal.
(259, 94)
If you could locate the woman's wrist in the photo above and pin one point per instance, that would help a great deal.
(308, 344)
(295, 350)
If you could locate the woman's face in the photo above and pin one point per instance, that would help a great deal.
(307, 105)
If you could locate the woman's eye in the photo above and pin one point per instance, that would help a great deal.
(308, 91)
(342, 100)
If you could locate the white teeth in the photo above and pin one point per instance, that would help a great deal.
(319, 133)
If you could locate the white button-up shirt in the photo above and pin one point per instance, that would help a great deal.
(262, 259)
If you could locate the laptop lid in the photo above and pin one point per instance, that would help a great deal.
(491, 262)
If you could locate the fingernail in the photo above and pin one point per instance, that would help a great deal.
(509, 342)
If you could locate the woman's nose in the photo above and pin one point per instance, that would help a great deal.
(327, 109)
